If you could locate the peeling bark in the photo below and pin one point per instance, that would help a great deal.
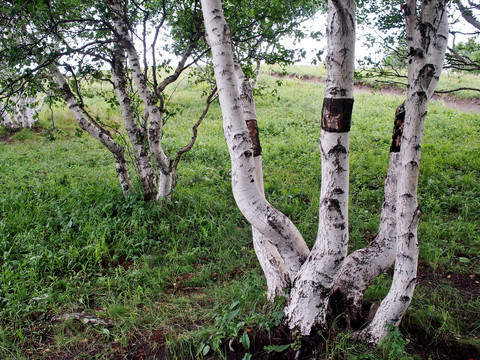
(312, 287)
(269, 222)
(427, 37)
(135, 134)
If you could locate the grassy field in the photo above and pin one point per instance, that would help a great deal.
(86, 273)
(448, 81)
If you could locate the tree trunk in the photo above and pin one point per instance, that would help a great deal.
(24, 113)
(135, 134)
(94, 129)
(6, 120)
(271, 223)
(268, 256)
(161, 160)
(427, 35)
(363, 266)
(165, 185)
(311, 290)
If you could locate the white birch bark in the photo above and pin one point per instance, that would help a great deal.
(310, 293)
(268, 256)
(95, 130)
(6, 120)
(263, 216)
(363, 266)
(141, 82)
(427, 34)
(135, 134)
(165, 185)
(24, 113)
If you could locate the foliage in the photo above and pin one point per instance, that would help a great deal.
(466, 56)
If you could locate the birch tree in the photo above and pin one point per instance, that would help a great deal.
(23, 114)
(315, 275)
(76, 41)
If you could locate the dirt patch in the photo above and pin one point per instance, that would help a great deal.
(7, 138)
(282, 344)
(430, 349)
(465, 105)
(468, 285)
(110, 265)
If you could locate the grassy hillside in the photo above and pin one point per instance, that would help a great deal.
(87, 273)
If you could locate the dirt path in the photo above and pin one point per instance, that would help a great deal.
(465, 105)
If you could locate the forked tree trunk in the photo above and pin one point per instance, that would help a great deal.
(89, 125)
(271, 223)
(363, 266)
(314, 276)
(427, 34)
(136, 135)
(311, 289)
(161, 160)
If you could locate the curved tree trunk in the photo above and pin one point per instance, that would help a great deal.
(311, 290)
(427, 34)
(270, 260)
(271, 223)
(94, 129)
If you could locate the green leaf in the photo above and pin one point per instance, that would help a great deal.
(229, 317)
(234, 305)
(205, 350)
(245, 340)
(276, 348)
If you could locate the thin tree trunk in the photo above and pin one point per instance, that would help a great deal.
(161, 160)
(427, 39)
(23, 114)
(365, 265)
(263, 216)
(102, 135)
(135, 134)
(311, 290)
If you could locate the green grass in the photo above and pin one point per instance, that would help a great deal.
(448, 80)
(171, 273)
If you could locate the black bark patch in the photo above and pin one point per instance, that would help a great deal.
(340, 226)
(337, 115)
(253, 129)
(337, 149)
(398, 129)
